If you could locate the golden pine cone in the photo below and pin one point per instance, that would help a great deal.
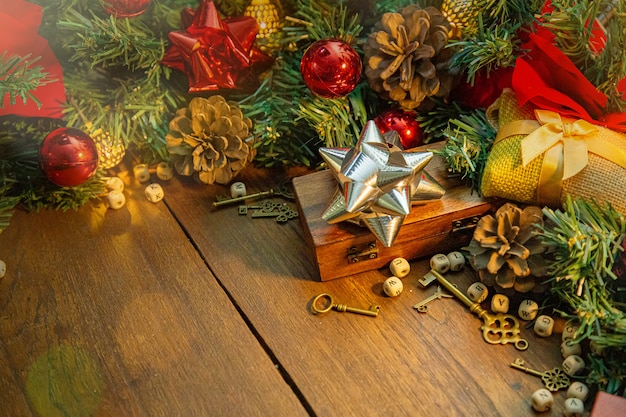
(110, 151)
(212, 138)
(407, 60)
(505, 249)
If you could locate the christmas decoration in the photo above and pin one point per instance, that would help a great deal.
(216, 54)
(376, 184)
(28, 67)
(586, 242)
(505, 251)
(210, 138)
(125, 8)
(404, 122)
(110, 151)
(462, 15)
(266, 15)
(540, 158)
(68, 157)
(406, 59)
(331, 68)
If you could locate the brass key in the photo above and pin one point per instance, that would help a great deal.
(372, 311)
(422, 306)
(497, 328)
(553, 379)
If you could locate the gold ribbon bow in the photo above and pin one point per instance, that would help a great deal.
(565, 143)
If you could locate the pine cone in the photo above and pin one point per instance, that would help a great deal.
(462, 15)
(505, 250)
(210, 137)
(407, 60)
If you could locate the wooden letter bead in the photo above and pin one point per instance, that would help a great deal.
(154, 192)
(569, 332)
(500, 303)
(528, 310)
(393, 286)
(141, 172)
(477, 292)
(573, 364)
(114, 183)
(457, 261)
(574, 408)
(3, 268)
(116, 199)
(578, 390)
(400, 267)
(237, 189)
(544, 325)
(440, 263)
(542, 400)
(164, 171)
(595, 348)
(569, 348)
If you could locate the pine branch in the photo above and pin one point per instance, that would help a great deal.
(489, 49)
(19, 78)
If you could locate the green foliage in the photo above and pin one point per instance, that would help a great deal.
(19, 78)
(585, 239)
(469, 140)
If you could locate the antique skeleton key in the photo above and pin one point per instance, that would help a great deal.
(553, 379)
(372, 311)
(497, 328)
(422, 306)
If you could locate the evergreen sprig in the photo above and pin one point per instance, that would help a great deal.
(469, 140)
(19, 78)
(584, 241)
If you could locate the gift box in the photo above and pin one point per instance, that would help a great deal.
(540, 158)
(435, 226)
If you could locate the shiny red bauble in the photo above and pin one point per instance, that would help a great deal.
(68, 157)
(125, 8)
(404, 122)
(331, 68)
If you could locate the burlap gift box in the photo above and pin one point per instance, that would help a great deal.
(540, 158)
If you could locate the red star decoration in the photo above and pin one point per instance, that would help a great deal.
(216, 53)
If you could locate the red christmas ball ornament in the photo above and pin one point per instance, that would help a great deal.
(331, 68)
(404, 122)
(68, 157)
(125, 8)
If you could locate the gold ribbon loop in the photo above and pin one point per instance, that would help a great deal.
(573, 135)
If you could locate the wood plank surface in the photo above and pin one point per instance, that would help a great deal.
(401, 363)
(115, 313)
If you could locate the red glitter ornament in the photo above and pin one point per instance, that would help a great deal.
(125, 8)
(331, 68)
(404, 122)
(68, 157)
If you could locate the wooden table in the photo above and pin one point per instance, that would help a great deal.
(180, 309)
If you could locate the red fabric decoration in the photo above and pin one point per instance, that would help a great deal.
(18, 36)
(216, 53)
(547, 78)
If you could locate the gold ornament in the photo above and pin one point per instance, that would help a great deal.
(210, 138)
(462, 15)
(110, 151)
(266, 15)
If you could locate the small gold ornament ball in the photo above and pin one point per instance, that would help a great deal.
(110, 151)
(266, 15)
(462, 15)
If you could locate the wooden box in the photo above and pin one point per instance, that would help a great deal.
(437, 226)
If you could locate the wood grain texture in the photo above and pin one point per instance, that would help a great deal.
(114, 313)
(401, 363)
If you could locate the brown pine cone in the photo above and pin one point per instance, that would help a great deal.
(211, 138)
(406, 60)
(506, 251)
